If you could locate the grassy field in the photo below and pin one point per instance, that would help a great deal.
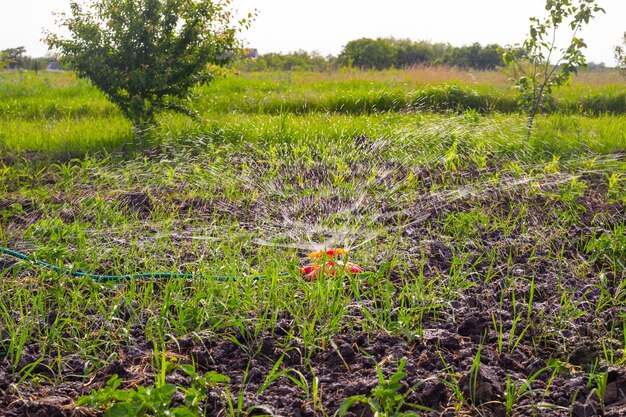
(495, 264)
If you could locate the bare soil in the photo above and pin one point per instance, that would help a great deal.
(439, 357)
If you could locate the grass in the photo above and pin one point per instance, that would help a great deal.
(492, 259)
(57, 112)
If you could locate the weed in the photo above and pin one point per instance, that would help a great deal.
(616, 187)
(385, 400)
(154, 400)
(608, 247)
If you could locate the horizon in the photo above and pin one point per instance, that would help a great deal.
(328, 26)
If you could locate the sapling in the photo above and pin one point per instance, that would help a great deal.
(620, 55)
(539, 64)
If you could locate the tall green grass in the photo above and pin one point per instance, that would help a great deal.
(54, 112)
(60, 95)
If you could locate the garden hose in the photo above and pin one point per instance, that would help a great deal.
(157, 275)
(98, 277)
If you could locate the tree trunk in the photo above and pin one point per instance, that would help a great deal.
(534, 110)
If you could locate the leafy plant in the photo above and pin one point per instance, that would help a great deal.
(153, 400)
(12, 57)
(620, 55)
(609, 247)
(385, 399)
(146, 55)
(616, 183)
(539, 64)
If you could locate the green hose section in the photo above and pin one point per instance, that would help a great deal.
(97, 277)
(157, 275)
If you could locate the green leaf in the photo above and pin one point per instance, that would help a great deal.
(114, 382)
(188, 369)
(350, 401)
(216, 378)
(121, 395)
(183, 412)
(123, 410)
(166, 391)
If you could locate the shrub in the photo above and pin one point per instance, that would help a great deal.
(146, 55)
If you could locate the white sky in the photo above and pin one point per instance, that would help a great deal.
(327, 25)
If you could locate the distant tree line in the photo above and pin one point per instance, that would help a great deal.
(16, 59)
(364, 53)
(292, 61)
(383, 53)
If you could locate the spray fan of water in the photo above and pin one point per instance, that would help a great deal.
(354, 193)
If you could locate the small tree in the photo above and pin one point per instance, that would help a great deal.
(146, 55)
(474, 56)
(13, 57)
(409, 53)
(539, 64)
(620, 55)
(366, 53)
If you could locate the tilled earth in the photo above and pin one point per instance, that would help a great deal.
(466, 357)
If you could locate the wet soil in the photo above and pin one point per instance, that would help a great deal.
(347, 369)
(466, 358)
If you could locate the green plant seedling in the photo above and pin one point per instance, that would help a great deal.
(153, 401)
(385, 399)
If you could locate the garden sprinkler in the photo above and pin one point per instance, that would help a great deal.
(331, 266)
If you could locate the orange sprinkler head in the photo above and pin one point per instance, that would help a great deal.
(312, 272)
(329, 252)
(353, 268)
(330, 268)
(312, 276)
(308, 269)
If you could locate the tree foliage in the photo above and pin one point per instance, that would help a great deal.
(366, 53)
(620, 55)
(410, 53)
(381, 54)
(474, 56)
(539, 64)
(385, 53)
(294, 61)
(146, 55)
(12, 58)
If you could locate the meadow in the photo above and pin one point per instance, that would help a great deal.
(494, 263)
